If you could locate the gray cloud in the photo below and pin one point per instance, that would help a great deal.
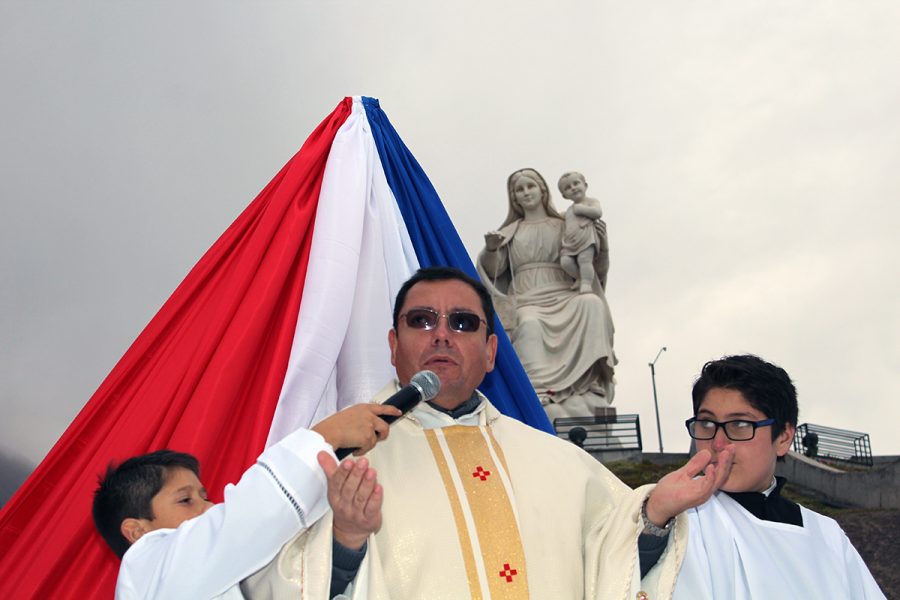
(745, 156)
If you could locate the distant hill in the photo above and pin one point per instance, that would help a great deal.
(13, 471)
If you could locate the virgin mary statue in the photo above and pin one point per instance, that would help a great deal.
(563, 337)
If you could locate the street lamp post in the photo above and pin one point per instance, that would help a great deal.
(655, 403)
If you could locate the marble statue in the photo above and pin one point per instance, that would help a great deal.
(584, 240)
(562, 331)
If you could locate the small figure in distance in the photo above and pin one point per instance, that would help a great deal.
(581, 241)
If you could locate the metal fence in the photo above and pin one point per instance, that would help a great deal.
(612, 432)
(831, 444)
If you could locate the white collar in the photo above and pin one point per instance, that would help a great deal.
(431, 418)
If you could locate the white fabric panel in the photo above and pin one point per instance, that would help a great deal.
(360, 255)
(387, 260)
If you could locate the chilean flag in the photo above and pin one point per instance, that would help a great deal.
(282, 322)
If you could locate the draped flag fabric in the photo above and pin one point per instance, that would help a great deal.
(283, 321)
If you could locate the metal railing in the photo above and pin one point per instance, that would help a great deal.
(612, 432)
(832, 444)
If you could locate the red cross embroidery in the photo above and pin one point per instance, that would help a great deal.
(481, 473)
(508, 572)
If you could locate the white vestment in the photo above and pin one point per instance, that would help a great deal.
(484, 507)
(207, 556)
(733, 554)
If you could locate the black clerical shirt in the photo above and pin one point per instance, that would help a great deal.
(773, 507)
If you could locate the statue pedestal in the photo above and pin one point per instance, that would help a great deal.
(581, 405)
(608, 412)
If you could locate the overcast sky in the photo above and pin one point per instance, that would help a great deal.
(746, 156)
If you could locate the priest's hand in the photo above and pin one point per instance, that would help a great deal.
(359, 426)
(683, 489)
(355, 497)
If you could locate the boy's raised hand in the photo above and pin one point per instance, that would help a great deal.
(355, 497)
(359, 426)
(683, 489)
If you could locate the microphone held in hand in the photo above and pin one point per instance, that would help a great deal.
(424, 385)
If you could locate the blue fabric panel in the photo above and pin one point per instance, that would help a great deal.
(437, 243)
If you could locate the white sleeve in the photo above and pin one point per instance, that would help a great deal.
(860, 582)
(283, 493)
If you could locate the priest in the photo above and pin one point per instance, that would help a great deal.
(479, 505)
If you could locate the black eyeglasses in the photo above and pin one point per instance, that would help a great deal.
(460, 321)
(738, 430)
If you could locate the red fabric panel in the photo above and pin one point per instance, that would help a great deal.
(203, 377)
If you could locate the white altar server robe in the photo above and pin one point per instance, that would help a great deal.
(732, 554)
(207, 556)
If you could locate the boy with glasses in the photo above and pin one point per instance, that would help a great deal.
(747, 541)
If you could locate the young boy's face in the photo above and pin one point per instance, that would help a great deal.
(182, 497)
(572, 187)
(754, 460)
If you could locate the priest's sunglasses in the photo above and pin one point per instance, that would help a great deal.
(738, 430)
(460, 321)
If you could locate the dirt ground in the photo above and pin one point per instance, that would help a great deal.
(876, 535)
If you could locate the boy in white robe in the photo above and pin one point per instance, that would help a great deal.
(174, 543)
(747, 541)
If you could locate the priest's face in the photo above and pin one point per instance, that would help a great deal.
(754, 460)
(460, 359)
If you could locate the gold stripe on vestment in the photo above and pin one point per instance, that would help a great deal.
(465, 542)
(491, 509)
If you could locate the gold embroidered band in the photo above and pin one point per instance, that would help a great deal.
(477, 486)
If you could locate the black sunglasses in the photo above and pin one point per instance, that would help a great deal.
(460, 321)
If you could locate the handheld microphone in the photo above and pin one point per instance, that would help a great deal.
(424, 385)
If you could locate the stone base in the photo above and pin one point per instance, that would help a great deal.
(605, 411)
(582, 405)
